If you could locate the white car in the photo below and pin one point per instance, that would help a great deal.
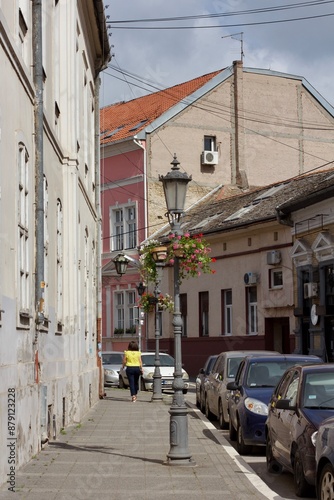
(167, 363)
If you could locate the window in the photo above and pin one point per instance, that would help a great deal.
(275, 278)
(251, 297)
(203, 314)
(23, 30)
(209, 143)
(184, 313)
(23, 234)
(227, 312)
(123, 229)
(125, 311)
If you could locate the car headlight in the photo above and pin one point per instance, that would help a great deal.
(110, 372)
(314, 438)
(185, 375)
(148, 375)
(256, 406)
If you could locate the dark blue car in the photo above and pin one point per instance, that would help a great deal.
(253, 387)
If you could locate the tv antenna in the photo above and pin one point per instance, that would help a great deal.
(241, 40)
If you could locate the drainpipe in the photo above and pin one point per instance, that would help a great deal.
(39, 181)
(99, 238)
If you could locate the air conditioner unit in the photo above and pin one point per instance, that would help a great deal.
(274, 257)
(251, 278)
(310, 290)
(209, 157)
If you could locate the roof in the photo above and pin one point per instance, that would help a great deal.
(216, 214)
(135, 118)
(125, 119)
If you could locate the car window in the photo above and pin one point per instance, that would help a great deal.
(319, 390)
(292, 389)
(232, 366)
(281, 388)
(219, 365)
(112, 359)
(210, 365)
(165, 360)
(240, 372)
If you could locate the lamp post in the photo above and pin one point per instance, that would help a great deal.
(159, 255)
(140, 289)
(175, 188)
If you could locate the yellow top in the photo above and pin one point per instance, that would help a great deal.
(132, 358)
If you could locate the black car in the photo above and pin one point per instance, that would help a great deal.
(302, 400)
(201, 378)
(324, 457)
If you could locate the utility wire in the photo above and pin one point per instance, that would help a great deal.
(311, 3)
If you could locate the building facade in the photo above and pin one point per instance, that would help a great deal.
(51, 54)
(232, 130)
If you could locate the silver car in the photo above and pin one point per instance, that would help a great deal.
(215, 392)
(167, 363)
(112, 362)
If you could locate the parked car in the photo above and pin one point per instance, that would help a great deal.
(324, 457)
(253, 387)
(166, 369)
(112, 362)
(201, 378)
(301, 401)
(216, 394)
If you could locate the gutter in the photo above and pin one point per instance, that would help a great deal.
(39, 168)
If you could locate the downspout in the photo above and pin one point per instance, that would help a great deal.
(99, 238)
(39, 171)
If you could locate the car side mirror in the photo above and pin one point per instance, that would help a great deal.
(232, 386)
(285, 404)
(202, 371)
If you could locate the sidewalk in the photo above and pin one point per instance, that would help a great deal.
(118, 452)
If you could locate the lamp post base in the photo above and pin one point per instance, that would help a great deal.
(179, 453)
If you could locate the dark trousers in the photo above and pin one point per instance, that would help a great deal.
(133, 374)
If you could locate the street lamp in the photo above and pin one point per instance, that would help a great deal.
(159, 255)
(121, 262)
(140, 289)
(175, 189)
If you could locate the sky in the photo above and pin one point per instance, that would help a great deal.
(147, 60)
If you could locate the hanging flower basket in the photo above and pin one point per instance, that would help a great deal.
(193, 252)
(148, 301)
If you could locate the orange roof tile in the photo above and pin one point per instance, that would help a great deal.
(125, 119)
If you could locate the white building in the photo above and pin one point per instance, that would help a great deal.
(51, 53)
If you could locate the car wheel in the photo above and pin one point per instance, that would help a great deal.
(232, 432)
(326, 482)
(121, 382)
(184, 391)
(302, 487)
(272, 465)
(242, 448)
(222, 422)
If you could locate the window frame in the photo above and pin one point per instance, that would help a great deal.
(252, 311)
(123, 226)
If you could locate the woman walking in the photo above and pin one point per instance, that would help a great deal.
(134, 367)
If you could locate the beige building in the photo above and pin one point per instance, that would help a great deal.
(51, 55)
(274, 252)
(232, 130)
